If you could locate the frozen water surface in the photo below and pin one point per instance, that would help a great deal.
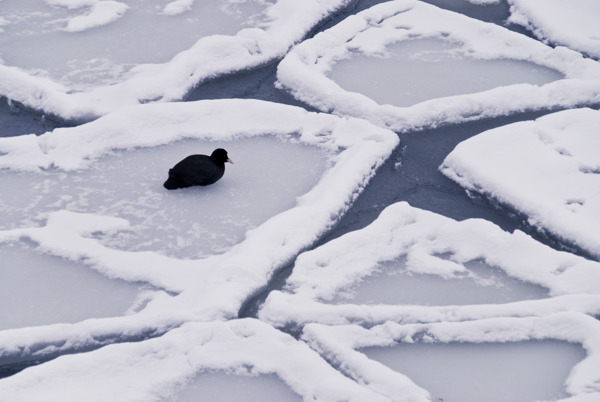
(495, 372)
(546, 169)
(573, 24)
(487, 320)
(35, 38)
(421, 69)
(394, 284)
(422, 66)
(220, 386)
(267, 176)
(37, 289)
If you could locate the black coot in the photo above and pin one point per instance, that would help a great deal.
(198, 170)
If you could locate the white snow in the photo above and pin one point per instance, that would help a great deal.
(304, 71)
(417, 242)
(344, 344)
(113, 288)
(156, 369)
(547, 170)
(436, 246)
(573, 24)
(83, 75)
(206, 288)
(178, 6)
(101, 13)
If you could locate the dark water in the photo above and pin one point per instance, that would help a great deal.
(411, 174)
(16, 120)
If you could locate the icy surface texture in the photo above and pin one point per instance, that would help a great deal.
(138, 293)
(346, 345)
(82, 59)
(346, 281)
(49, 40)
(547, 169)
(432, 246)
(573, 24)
(38, 290)
(221, 386)
(495, 372)
(189, 223)
(346, 153)
(163, 365)
(411, 73)
(381, 30)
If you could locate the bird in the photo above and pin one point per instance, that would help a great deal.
(198, 170)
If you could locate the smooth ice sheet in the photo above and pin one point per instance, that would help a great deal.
(547, 169)
(417, 70)
(494, 372)
(217, 386)
(480, 284)
(267, 177)
(497, 359)
(37, 289)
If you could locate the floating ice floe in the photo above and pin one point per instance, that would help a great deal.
(139, 52)
(128, 185)
(388, 37)
(320, 300)
(212, 287)
(158, 369)
(547, 170)
(435, 245)
(573, 24)
(348, 346)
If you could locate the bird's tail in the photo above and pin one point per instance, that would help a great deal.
(172, 182)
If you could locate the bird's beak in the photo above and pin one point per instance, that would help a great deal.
(229, 160)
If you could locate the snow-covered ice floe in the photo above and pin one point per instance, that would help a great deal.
(432, 244)
(547, 170)
(211, 287)
(158, 369)
(573, 24)
(437, 39)
(84, 58)
(348, 346)
(435, 245)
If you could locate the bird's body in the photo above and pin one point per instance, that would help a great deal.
(198, 170)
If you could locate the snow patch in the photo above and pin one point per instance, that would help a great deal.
(544, 169)
(574, 25)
